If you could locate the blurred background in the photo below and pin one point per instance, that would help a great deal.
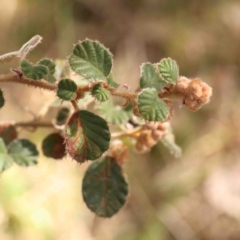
(196, 197)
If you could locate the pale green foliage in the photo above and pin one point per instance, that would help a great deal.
(169, 141)
(23, 152)
(113, 113)
(151, 107)
(100, 93)
(150, 77)
(169, 70)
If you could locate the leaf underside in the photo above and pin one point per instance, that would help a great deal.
(104, 187)
(111, 82)
(23, 152)
(87, 136)
(114, 114)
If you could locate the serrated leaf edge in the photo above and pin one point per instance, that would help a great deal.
(168, 58)
(96, 41)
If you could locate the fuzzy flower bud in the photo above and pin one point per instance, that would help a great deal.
(153, 132)
(196, 92)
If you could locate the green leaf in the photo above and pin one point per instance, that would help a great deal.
(111, 82)
(5, 160)
(151, 107)
(8, 133)
(67, 89)
(150, 77)
(47, 63)
(53, 146)
(34, 72)
(2, 100)
(104, 187)
(91, 60)
(51, 69)
(62, 115)
(23, 152)
(50, 78)
(100, 93)
(87, 136)
(114, 114)
(169, 70)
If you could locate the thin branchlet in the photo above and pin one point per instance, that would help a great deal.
(34, 124)
(74, 104)
(13, 78)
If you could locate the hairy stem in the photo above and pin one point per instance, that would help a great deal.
(127, 95)
(27, 81)
(40, 124)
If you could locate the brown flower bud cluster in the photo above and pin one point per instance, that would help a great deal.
(196, 93)
(119, 151)
(150, 135)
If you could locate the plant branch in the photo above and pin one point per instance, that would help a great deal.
(34, 124)
(48, 124)
(13, 78)
(127, 95)
(74, 103)
(129, 133)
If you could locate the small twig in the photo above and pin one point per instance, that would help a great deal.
(27, 81)
(130, 133)
(130, 96)
(40, 124)
(30, 124)
(74, 103)
(34, 124)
